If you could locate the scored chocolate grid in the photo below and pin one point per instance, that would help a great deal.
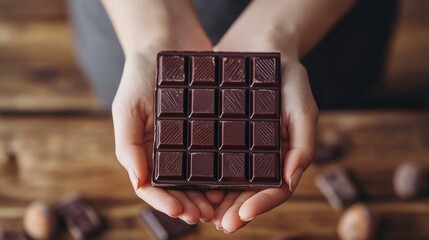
(218, 79)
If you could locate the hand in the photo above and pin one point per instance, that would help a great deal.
(133, 124)
(298, 128)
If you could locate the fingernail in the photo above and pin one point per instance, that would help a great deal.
(294, 179)
(246, 220)
(133, 178)
(225, 232)
(219, 228)
(189, 223)
(203, 220)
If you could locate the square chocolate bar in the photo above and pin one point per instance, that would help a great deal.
(217, 121)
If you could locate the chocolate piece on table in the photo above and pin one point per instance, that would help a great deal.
(163, 227)
(338, 188)
(80, 217)
(12, 235)
(217, 121)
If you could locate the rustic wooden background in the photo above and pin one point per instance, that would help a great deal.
(54, 142)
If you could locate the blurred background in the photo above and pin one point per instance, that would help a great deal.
(55, 140)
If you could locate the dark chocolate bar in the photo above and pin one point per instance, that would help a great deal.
(163, 227)
(338, 188)
(217, 121)
(80, 217)
(12, 235)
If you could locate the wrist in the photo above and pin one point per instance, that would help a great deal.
(148, 46)
(285, 39)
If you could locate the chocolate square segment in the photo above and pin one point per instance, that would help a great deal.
(171, 102)
(264, 72)
(265, 135)
(233, 167)
(264, 167)
(265, 103)
(202, 103)
(172, 70)
(170, 166)
(202, 166)
(170, 134)
(233, 71)
(203, 71)
(233, 103)
(202, 135)
(217, 121)
(233, 135)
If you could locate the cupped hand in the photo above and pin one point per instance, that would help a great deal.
(133, 119)
(298, 129)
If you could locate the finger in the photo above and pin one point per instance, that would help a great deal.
(263, 202)
(160, 200)
(223, 207)
(130, 117)
(128, 128)
(215, 197)
(203, 205)
(231, 221)
(300, 117)
(190, 213)
(302, 137)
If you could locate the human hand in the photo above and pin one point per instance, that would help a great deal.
(298, 127)
(133, 119)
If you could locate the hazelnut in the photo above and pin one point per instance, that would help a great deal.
(357, 223)
(40, 222)
(409, 180)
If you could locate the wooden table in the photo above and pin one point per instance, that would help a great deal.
(51, 157)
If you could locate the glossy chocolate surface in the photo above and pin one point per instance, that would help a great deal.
(217, 121)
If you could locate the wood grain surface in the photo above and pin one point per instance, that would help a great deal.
(50, 157)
